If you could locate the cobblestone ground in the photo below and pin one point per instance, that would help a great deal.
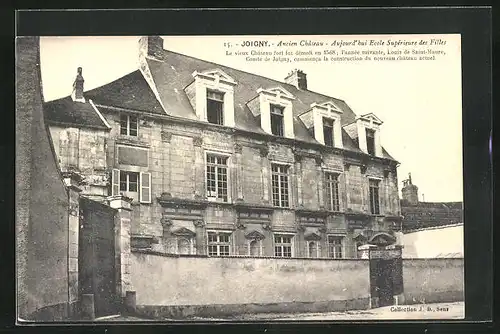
(403, 312)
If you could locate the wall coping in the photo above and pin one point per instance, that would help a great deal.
(152, 252)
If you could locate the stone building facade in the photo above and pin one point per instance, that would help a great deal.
(220, 162)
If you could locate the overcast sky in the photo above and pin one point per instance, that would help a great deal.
(419, 101)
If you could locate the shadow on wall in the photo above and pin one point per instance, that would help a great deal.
(42, 201)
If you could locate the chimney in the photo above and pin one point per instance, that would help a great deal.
(151, 47)
(410, 191)
(297, 78)
(77, 94)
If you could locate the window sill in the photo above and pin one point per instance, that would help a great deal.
(131, 140)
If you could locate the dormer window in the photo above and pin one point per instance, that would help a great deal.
(211, 95)
(366, 132)
(128, 125)
(275, 109)
(323, 120)
(215, 107)
(328, 131)
(277, 120)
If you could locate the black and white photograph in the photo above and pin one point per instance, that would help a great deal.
(239, 178)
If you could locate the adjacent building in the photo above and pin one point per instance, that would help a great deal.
(418, 214)
(431, 229)
(221, 162)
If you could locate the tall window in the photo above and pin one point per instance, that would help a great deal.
(217, 177)
(280, 185)
(370, 141)
(332, 191)
(374, 197)
(328, 131)
(334, 247)
(219, 243)
(254, 248)
(283, 245)
(215, 107)
(277, 120)
(128, 125)
(129, 181)
(312, 249)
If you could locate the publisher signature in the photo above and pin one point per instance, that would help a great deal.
(422, 308)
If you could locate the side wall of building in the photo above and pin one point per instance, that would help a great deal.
(41, 199)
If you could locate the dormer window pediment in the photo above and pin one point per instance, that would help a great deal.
(277, 92)
(211, 95)
(370, 119)
(217, 75)
(324, 120)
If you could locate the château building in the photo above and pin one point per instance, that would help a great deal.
(221, 162)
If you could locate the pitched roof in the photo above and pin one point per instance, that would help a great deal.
(430, 214)
(174, 73)
(67, 111)
(130, 92)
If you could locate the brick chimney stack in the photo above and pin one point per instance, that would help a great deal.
(151, 47)
(297, 78)
(410, 191)
(77, 93)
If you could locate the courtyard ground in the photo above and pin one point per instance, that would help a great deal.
(436, 311)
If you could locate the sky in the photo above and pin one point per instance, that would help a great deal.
(418, 101)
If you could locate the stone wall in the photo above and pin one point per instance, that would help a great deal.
(83, 150)
(41, 199)
(199, 284)
(433, 280)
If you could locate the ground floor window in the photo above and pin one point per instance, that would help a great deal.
(335, 248)
(283, 245)
(313, 249)
(255, 248)
(219, 243)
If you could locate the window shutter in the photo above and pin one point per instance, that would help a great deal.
(115, 182)
(145, 195)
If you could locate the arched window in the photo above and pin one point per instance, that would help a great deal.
(313, 249)
(254, 248)
(184, 245)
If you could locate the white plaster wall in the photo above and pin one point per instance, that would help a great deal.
(436, 242)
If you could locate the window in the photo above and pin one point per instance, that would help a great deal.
(277, 120)
(129, 181)
(334, 247)
(215, 107)
(254, 247)
(283, 245)
(217, 177)
(328, 131)
(128, 125)
(280, 185)
(374, 197)
(219, 243)
(332, 191)
(131, 184)
(370, 141)
(184, 245)
(312, 249)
